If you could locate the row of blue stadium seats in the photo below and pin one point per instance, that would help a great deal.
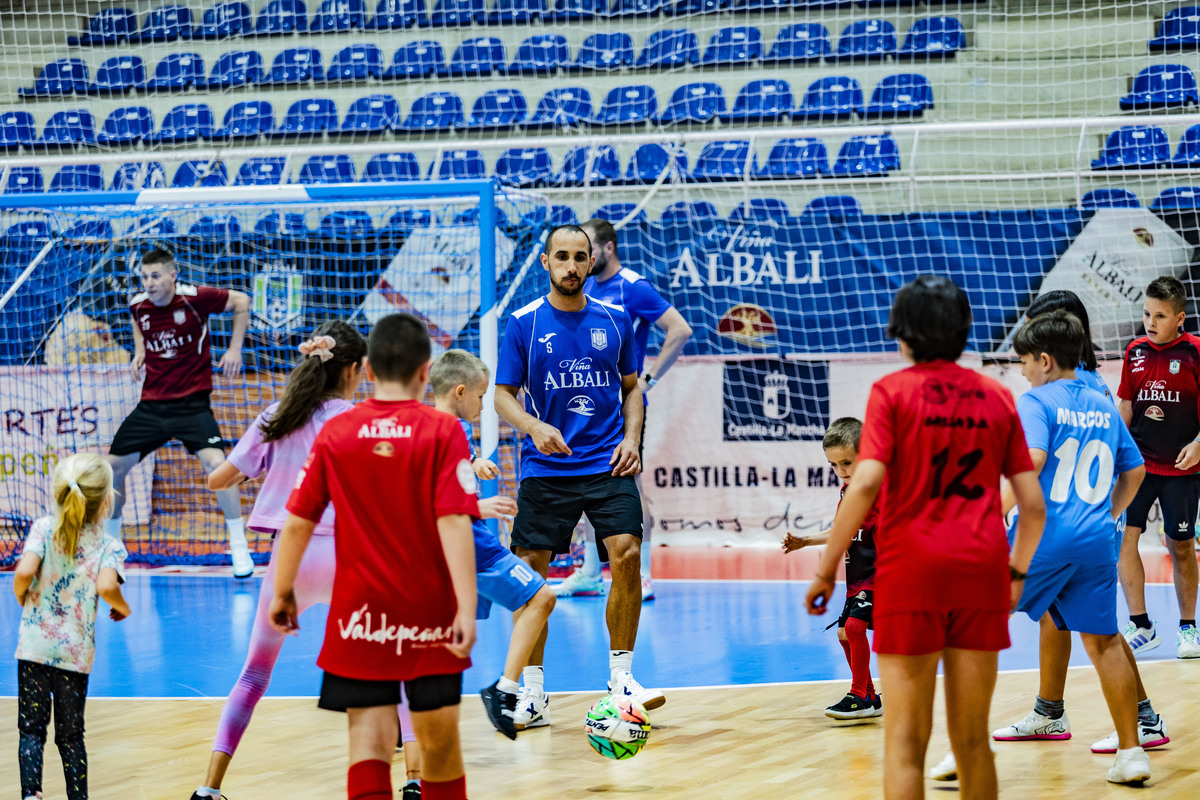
(1162, 86)
(800, 157)
(768, 100)
(543, 54)
(1179, 30)
(280, 17)
(1147, 147)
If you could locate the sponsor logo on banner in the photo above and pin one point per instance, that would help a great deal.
(769, 400)
(599, 338)
(278, 298)
(1144, 237)
(747, 324)
(740, 255)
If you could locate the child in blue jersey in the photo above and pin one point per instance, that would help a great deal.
(460, 380)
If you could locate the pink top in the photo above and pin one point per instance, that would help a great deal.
(282, 461)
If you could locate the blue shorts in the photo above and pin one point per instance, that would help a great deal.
(1079, 597)
(508, 582)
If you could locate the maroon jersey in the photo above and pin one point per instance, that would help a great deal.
(178, 359)
(860, 556)
(1162, 382)
(946, 434)
(390, 469)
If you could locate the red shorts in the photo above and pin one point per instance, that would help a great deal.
(917, 633)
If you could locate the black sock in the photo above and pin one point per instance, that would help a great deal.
(1053, 709)
(1146, 711)
(1183, 623)
(1141, 620)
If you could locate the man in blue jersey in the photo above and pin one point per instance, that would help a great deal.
(612, 283)
(582, 419)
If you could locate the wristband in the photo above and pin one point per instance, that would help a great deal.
(649, 379)
(1016, 574)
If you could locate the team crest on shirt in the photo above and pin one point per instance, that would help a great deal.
(180, 316)
(1174, 366)
(1155, 413)
(582, 405)
(466, 477)
(599, 338)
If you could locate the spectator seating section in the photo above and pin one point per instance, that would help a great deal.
(799, 43)
(627, 105)
(327, 169)
(397, 15)
(866, 40)
(339, 15)
(831, 98)
(1108, 198)
(126, 126)
(1162, 86)
(69, 128)
(110, 26)
(177, 72)
(435, 111)
(905, 95)
(137, 176)
(1179, 30)
(374, 113)
(498, 109)
(567, 107)
(223, 21)
(391, 167)
(768, 210)
(635, 8)
(602, 52)
(119, 75)
(605, 167)
(296, 65)
(795, 158)
(459, 165)
(543, 54)
(649, 161)
(17, 128)
(618, 212)
(236, 68)
(24, 180)
(200, 173)
(64, 76)
(358, 62)
(310, 117)
(722, 161)
(262, 171)
(246, 120)
(687, 212)
(515, 12)
(476, 58)
(78, 178)
(568, 10)
(1134, 146)
(352, 224)
(562, 215)
(1188, 154)
(693, 102)
(839, 205)
(741, 44)
(1177, 198)
(456, 13)
(165, 24)
(525, 167)
(416, 60)
(185, 123)
(767, 100)
(281, 17)
(933, 38)
(867, 156)
(667, 49)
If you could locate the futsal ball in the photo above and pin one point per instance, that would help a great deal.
(617, 727)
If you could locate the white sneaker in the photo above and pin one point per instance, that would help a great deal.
(1130, 766)
(579, 584)
(243, 564)
(1141, 640)
(1034, 726)
(647, 589)
(1187, 642)
(626, 686)
(945, 770)
(531, 710)
(1149, 736)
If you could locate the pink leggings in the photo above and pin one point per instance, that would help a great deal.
(314, 584)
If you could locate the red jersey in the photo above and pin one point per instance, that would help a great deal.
(178, 360)
(1163, 384)
(860, 556)
(946, 435)
(390, 469)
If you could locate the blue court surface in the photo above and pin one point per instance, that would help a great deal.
(188, 637)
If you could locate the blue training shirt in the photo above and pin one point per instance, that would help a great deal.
(1093, 380)
(641, 302)
(1087, 446)
(488, 549)
(570, 364)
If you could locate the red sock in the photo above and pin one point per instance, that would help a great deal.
(369, 780)
(444, 790)
(858, 652)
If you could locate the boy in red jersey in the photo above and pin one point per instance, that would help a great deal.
(1160, 402)
(841, 448)
(403, 606)
(942, 435)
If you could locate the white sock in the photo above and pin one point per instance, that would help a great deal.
(112, 526)
(591, 560)
(505, 685)
(237, 532)
(205, 791)
(535, 679)
(619, 661)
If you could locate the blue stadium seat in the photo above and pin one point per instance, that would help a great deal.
(309, 117)
(831, 98)
(352, 224)
(1179, 30)
(388, 167)
(690, 8)
(1177, 198)
(524, 166)
(109, 26)
(800, 43)
(635, 8)
(177, 72)
(68, 128)
(78, 178)
(838, 205)
(416, 60)
(667, 49)
(358, 62)
(741, 44)
(1133, 147)
(722, 161)
(933, 37)
(688, 212)
(693, 102)
(618, 212)
(568, 10)
(246, 120)
(459, 165)
(602, 52)
(1109, 198)
(1188, 154)
(767, 100)
(515, 12)
(200, 173)
(866, 40)
(165, 24)
(456, 13)
(498, 109)
(649, 161)
(281, 17)
(436, 111)
(293, 225)
(562, 215)
(137, 176)
(185, 123)
(804, 157)
(374, 113)
(866, 156)
(540, 55)
(906, 95)
(339, 15)
(220, 227)
(397, 14)
(17, 128)
(223, 21)
(404, 221)
(477, 57)
(769, 210)
(64, 76)
(263, 171)
(627, 105)
(1162, 86)
(128, 125)
(328, 169)
(606, 167)
(24, 180)
(567, 107)
(295, 65)
(119, 75)
(236, 68)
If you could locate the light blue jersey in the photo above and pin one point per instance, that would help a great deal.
(1092, 380)
(488, 549)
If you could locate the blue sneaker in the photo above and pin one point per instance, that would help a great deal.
(1141, 640)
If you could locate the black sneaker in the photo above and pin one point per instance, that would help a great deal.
(500, 707)
(411, 791)
(198, 796)
(854, 707)
(877, 704)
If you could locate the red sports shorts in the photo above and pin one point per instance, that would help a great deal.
(917, 633)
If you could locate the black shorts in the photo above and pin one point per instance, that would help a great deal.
(1179, 498)
(548, 509)
(153, 423)
(860, 606)
(424, 694)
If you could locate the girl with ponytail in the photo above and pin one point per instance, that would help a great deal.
(68, 563)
